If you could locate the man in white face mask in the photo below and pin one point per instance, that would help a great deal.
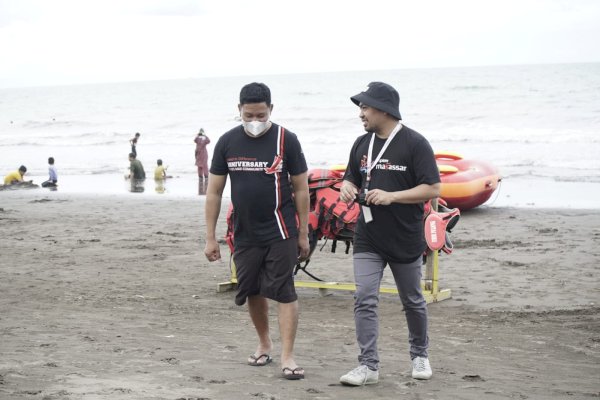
(269, 187)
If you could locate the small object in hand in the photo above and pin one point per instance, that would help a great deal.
(361, 198)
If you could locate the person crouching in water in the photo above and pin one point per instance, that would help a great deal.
(15, 176)
(52, 175)
(136, 169)
(136, 174)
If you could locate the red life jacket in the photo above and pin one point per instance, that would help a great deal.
(337, 219)
(229, 233)
(321, 177)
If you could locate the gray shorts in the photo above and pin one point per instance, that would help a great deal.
(267, 271)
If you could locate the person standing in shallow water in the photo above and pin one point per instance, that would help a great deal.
(160, 172)
(202, 141)
(133, 143)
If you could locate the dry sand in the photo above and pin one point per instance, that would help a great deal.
(111, 297)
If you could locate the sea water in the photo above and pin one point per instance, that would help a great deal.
(537, 124)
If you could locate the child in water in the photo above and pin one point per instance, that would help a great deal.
(52, 175)
(160, 172)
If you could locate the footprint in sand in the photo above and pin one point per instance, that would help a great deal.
(473, 378)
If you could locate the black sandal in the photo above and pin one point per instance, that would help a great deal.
(294, 375)
(255, 360)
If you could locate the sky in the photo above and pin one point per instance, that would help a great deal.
(56, 42)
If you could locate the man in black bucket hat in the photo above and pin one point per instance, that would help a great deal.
(391, 173)
(381, 96)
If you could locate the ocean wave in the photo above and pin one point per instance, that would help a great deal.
(34, 144)
(557, 178)
(522, 164)
(68, 143)
(586, 179)
(66, 139)
(473, 87)
(54, 123)
(305, 93)
(104, 169)
(522, 174)
(476, 117)
(453, 138)
(86, 170)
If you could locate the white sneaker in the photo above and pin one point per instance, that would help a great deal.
(360, 376)
(421, 368)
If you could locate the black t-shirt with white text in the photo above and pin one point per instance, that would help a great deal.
(396, 231)
(261, 193)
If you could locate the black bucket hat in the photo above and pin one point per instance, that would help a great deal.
(381, 96)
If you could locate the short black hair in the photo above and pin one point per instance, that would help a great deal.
(132, 155)
(255, 93)
(23, 168)
(51, 160)
(159, 162)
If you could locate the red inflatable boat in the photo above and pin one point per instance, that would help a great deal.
(465, 183)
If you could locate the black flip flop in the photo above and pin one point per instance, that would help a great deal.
(255, 360)
(295, 374)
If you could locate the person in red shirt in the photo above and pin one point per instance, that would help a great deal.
(202, 141)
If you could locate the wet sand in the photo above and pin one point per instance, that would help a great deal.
(110, 297)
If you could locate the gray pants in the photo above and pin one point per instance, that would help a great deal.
(368, 272)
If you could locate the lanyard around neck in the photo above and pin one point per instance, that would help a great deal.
(371, 165)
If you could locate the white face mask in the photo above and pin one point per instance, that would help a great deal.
(255, 128)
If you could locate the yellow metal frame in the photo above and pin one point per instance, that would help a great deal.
(429, 285)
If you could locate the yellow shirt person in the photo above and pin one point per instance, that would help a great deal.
(15, 176)
(161, 171)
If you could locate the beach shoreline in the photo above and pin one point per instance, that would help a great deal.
(513, 192)
(108, 296)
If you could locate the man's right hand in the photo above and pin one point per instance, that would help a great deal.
(212, 250)
(348, 192)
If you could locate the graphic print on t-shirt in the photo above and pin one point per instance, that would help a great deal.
(247, 164)
(386, 165)
(383, 164)
(277, 166)
(363, 164)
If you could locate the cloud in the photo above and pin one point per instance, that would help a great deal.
(174, 8)
(13, 11)
(75, 41)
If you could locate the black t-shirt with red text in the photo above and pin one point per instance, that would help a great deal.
(396, 231)
(261, 192)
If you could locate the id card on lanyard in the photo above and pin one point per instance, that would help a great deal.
(372, 163)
